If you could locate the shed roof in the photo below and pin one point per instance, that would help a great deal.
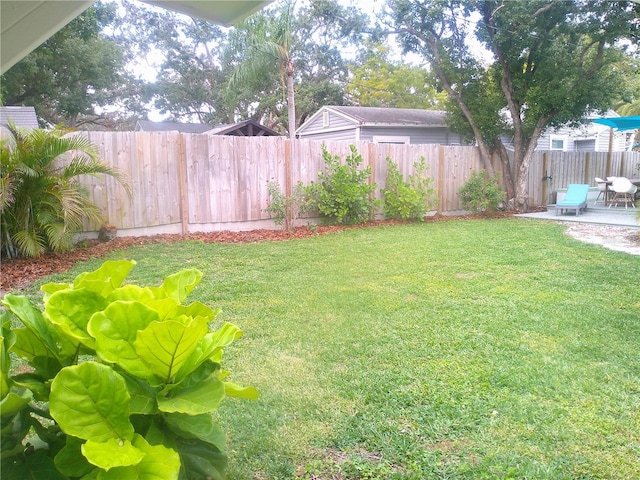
(392, 116)
(382, 116)
(21, 116)
(247, 128)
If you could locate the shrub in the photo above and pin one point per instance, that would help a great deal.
(343, 193)
(285, 209)
(41, 200)
(481, 192)
(120, 382)
(410, 199)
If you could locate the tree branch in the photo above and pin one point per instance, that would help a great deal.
(546, 8)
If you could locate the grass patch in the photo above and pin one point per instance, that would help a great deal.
(461, 349)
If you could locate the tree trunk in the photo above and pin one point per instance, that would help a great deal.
(522, 162)
(291, 102)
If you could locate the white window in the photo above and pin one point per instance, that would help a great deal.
(325, 119)
(558, 143)
(391, 139)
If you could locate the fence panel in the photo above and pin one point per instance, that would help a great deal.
(221, 180)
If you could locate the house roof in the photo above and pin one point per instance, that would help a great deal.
(21, 116)
(381, 116)
(149, 126)
(26, 24)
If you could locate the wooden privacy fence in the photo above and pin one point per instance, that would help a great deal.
(192, 182)
(553, 170)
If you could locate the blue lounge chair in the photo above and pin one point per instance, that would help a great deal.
(575, 199)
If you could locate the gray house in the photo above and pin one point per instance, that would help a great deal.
(21, 116)
(588, 137)
(378, 125)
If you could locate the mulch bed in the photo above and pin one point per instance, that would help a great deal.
(15, 274)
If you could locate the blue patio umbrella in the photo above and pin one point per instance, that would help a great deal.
(620, 123)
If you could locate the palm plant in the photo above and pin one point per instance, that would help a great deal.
(268, 46)
(42, 203)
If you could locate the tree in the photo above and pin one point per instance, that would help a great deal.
(73, 74)
(551, 63)
(301, 47)
(379, 82)
(42, 204)
(218, 75)
(267, 46)
(324, 31)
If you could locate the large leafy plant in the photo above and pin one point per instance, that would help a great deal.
(344, 193)
(482, 192)
(120, 382)
(411, 198)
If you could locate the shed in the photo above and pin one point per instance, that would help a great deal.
(21, 116)
(379, 125)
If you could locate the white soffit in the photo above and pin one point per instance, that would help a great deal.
(224, 12)
(28, 23)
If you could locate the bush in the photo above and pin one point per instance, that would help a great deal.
(120, 381)
(481, 193)
(285, 209)
(42, 202)
(343, 193)
(410, 199)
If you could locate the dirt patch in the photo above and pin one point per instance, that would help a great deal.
(621, 239)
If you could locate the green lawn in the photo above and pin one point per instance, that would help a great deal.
(484, 349)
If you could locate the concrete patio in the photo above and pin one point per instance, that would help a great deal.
(596, 214)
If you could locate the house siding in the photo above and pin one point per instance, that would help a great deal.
(20, 116)
(336, 122)
(595, 142)
(347, 134)
(417, 135)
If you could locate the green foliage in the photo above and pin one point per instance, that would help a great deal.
(343, 193)
(379, 82)
(481, 192)
(41, 200)
(121, 381)
(540, 64)
(75, 72)
(408, 199)
(285, 209)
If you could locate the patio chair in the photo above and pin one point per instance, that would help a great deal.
(575, 199)
(624, 191)
(602, 186)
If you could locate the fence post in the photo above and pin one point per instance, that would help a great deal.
(587, 168)
(372, 176)
(545, 180)
(182, 183)
(440, 178)
(289, 149)
(623, 161)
